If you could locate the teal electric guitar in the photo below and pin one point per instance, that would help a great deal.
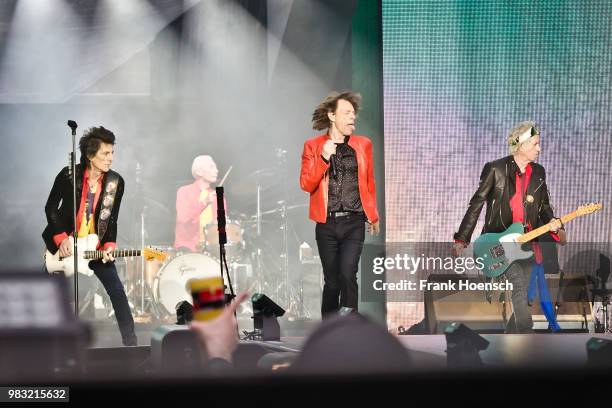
(498, 250)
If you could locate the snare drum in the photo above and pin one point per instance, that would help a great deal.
(171, 285)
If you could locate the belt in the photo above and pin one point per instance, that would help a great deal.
(339, 214)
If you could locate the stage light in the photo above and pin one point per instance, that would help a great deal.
(345, 311)
(265, 306)
(463, 346)
(599, 352)
(184, 312)
(265, 314)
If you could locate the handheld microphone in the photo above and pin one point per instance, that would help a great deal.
(221, 216)
(73, 125)
(332, 164)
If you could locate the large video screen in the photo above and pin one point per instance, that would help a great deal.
(458, 75)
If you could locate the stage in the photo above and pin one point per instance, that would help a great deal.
(552, 366)
(428, 352)
(155, 130)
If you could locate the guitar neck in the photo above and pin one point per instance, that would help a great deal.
(544, 228)
(118, 253)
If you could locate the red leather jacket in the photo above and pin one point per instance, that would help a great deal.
(314, 177)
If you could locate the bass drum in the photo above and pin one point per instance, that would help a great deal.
(171, 284)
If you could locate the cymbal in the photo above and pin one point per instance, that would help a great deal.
(150, 203)
(251, 218)
(252, 223)
(156, 204)
(262, 173)
(280, 209)
(247, 185)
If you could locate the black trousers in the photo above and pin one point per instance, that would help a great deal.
(340, 241)
(518, 274)
(107, 273)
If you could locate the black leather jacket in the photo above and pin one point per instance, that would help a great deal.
(59, 207)
(497, 186)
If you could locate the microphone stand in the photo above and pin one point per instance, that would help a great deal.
(223, 239)
(73, 125)
(142, 234)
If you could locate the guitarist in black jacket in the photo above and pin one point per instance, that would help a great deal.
(514, 189)
(98, 191)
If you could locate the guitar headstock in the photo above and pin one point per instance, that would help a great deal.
(151, 253)
(588, 208)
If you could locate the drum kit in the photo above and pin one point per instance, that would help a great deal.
(164, 284)
(255, 262)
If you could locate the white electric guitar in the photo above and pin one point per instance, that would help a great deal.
(87, 252)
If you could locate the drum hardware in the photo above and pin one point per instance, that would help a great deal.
(147, 301)
(96, 303)
(87, 303)
(87, 300)
(281, 156)
(281, 287)
(263, 178)
(146, 294)
(258, 215)
(294, 299)
(256, 183)
(241, 273)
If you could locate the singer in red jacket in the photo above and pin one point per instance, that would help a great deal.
(338, 172)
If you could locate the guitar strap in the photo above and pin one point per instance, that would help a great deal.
(522, 177)
(108, 201)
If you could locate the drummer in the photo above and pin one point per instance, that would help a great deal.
(196, 205)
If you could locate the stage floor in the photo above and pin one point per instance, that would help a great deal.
(106, 333)
(428, 352)
(508, 350)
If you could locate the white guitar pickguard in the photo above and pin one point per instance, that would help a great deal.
(512, 249)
